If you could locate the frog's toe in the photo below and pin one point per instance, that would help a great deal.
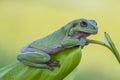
(51, 69)
(54, 63)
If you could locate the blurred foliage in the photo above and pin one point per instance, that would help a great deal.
(23, 21)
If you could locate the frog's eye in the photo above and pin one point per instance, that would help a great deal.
(83, 23)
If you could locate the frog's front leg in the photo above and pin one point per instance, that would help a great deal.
(69, 42)
(83, 41)
(38, 59)
(72, 42)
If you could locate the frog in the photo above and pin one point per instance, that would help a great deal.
(38, 53)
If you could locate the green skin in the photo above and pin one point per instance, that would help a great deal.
(38, 53)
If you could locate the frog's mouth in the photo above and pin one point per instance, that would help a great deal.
(80, 34)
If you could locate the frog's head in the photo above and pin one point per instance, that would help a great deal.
(83, 28)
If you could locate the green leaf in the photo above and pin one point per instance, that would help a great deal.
(112, 46)
(109, 44)
(68, 58)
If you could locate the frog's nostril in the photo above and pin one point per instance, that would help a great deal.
(94, 23)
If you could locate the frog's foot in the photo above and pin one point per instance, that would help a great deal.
(53, 63)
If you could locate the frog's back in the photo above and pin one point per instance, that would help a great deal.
(52, 39)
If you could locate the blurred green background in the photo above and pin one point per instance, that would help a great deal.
(23, 21)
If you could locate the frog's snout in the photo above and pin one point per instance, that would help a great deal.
(93, 23)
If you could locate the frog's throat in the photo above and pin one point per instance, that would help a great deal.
(79, 34)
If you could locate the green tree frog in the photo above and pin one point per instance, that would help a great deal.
(38, 53)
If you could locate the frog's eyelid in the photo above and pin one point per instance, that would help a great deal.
(83, 23)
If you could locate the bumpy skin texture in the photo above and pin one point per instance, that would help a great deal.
(38, 53)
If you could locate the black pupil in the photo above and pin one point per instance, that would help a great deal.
(83, 24)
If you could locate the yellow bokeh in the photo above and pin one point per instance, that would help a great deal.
(22, 22)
